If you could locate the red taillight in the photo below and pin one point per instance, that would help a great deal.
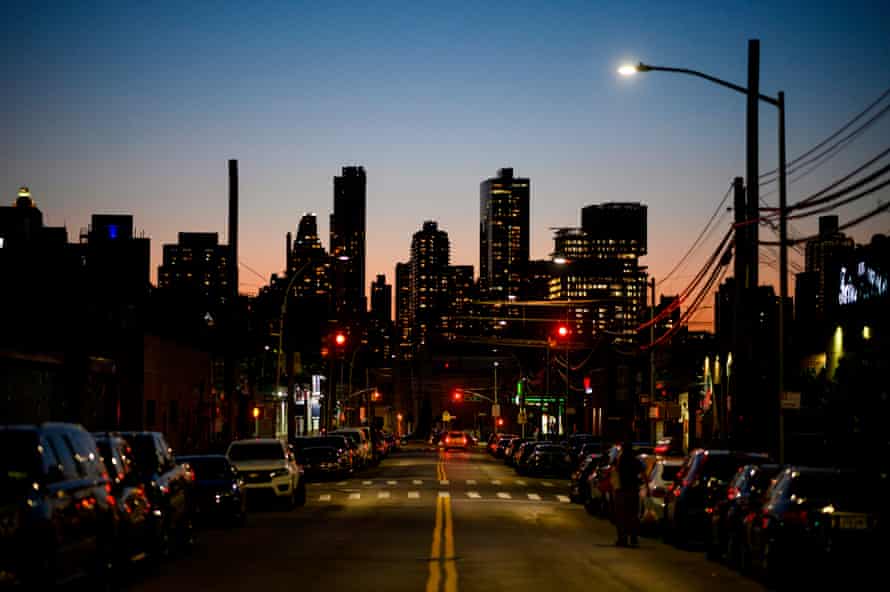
(676, 492)
(732, 493)
(447, 440)
(709, 510)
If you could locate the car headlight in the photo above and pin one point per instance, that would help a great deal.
(272, 474)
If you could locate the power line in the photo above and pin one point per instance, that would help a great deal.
(843, 202)
(843, 128)
(854, 222)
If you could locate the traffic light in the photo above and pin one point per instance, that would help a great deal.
(376, 396)
(500, 421)
(587, 387)
(340, 339)
(562, 331)
(457, 396)
(256, 412)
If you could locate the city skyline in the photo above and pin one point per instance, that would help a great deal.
(158, 151)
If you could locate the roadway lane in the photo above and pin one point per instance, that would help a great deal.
(430, 521)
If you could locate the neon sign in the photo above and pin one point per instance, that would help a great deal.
(866, 283)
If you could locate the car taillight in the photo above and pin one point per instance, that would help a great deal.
(447, 440)
(732, 493)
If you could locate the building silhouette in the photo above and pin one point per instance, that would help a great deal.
(403, 310)
(381, 299)
(461, 291)
(308, 257)
(196, 267)
(430, 256)
(348, 241)
(824, 256)
(503, 234)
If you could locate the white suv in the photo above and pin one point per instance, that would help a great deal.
(267, 466)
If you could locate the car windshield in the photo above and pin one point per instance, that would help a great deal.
(20, 464)
(256, 451)
(325, 441)
(455, 434)
(721, 467)
(353, 436)
(209, 468)
(669, 472)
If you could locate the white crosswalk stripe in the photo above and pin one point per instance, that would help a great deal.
(413, 495)
(521, 483)
(534, 497)
(471, 482)
(496, 482)
(342, 483)
(367, 482)
(546, 483)
(355, 496)
(417, 482)
(444, 494)
(503, 495)
(444, 482)
(563, 499)
(390, 482)
(382, 495)
(473, 495)
(325, 497)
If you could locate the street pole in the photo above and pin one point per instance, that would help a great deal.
(652, 355)
(495, 419)
(783, 270)
(565, 407)
(752, 167)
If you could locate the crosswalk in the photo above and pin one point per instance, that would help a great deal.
(433, 482)
(416, 495)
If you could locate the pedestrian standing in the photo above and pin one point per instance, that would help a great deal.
(629, 470)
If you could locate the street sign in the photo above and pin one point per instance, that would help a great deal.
(790, 400)
(446, 417)
(495, 410)
(521, 419)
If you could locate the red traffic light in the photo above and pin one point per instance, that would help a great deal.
(562, 331)
(500, 421)
(340, 339)
(458, 396)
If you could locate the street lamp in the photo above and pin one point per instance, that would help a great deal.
(752, 185)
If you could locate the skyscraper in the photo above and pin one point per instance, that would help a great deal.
(308, 257)
(381, 299)
(348, 241)
(824, 256)
(503, 233)
(403, 309)
(430, 254)
(459, 299)
(196, 267)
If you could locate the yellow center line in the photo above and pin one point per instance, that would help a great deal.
(438, 562)
(432, 581)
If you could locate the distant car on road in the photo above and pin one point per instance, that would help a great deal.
(455, 440)
(268, 467)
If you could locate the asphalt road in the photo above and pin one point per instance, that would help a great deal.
(430, 521)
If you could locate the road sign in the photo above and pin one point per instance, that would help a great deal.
(446, 416)
(522, 418)
(790, 400)
(495, 410)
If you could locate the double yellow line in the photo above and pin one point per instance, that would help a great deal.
(442, 566)
(440, 469)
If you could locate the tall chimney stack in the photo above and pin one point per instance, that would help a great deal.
(288, 251)
(233, 225)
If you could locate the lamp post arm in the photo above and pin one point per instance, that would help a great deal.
(646, 68)
(477, 394)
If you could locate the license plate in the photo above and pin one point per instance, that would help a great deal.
(852, 523)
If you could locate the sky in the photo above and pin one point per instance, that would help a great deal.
(135, 107)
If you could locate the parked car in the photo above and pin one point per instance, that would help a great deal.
(138, 533)
(323, 462)
(599, 484)
(701, 483)
(822, 522)
(526, 449)
(493, 440)
(549, 459)
(585, 450)
(455, 440)
(344, 459)
(218, 490)
(512, 445)
(168, 486)
(501, 448)
(362, 442)
(744, 497)
(269, 468)
(57, 514)
(578, 479)
(660, 485)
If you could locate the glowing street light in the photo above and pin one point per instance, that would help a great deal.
(627, 70)
(560, 260)
(340, 339)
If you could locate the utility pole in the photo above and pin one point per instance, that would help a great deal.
(495, 418)
(752, 168)
(231, 307)
(652, 353)
(783, 270)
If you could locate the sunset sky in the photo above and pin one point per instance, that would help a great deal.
(135, 107)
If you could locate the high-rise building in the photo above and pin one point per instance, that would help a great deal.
(602, 266)
(460, 294)
(503, 234)
(196, 266)
(403, 309)
(381, 299)
(430, 254)
(824, 256)
(308, 258)
(348, 241)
